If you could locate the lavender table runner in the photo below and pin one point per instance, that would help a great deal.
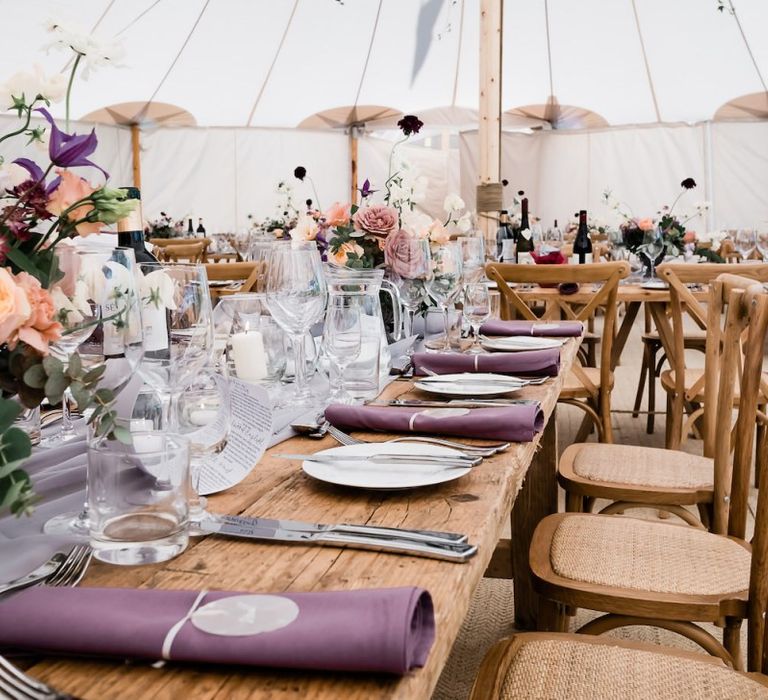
(517, 423)
(544, 329)
(379, 630)
(540, 363)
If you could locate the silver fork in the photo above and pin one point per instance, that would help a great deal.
(72, 570)
(17, 685)
(346, 439)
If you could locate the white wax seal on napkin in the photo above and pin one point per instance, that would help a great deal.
(544, 326)
(243, 615)
(443, 412)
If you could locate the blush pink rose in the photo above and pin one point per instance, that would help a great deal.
(689, 237)
(645, 224)
(337, 215)
(378, 220)
(404, 254)
(15, 308)
(40, 328)
(71, 189)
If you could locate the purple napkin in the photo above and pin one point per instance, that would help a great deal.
(380, 630)
(517, 423)
(544, 329)
(539, 363)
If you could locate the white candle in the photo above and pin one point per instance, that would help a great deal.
(249, 356)
(203, 416)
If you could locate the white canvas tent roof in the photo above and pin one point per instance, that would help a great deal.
(277, 62)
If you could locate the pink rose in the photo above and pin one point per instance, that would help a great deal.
(40, 327)
(645, 224)
(378, 220)
(341, 255)
(15, 308)
(71, 189)
(405, 255)
(337, 215)
(438, 233)
(689, 237)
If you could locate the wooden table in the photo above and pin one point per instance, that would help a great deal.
(477, 504)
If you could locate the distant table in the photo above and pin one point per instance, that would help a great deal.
(477, 504)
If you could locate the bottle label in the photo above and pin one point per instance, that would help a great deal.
(113, 336)
(131, 221)
(587, 259)
(508, 250)
(155, 327)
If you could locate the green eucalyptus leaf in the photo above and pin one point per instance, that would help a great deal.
(53, 365)
(14, 445)
(105, 396)
(122, 434)
(56, 386)
(81, 395)
(9, 412)
(35, 377)
(74, 366)
(93, 375)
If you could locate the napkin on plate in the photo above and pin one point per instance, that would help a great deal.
(517, 423)
(387, 630)
(540, 363)
(544, 329)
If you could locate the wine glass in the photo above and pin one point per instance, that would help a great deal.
(476, 310)
(654, 245)
(445, 283)
(473, 258)
(342, 338)
(110, 280)
(410, 270)
(296, 296)
(554, 238)
(761, 243)
(744, 241)
(78, 313)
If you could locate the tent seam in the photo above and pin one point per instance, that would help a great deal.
(645, 61)
(368, 55)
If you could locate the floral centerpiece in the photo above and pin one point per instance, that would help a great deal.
(41, 207)
(164, 227)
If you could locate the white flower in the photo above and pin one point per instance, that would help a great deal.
(158, 289)
(464, 224)
(30, 85)
(95, 52)
(61, 302)
(12, 175)
(91, 275)
(453, 203)
(419, 189)
(305, 230)
(416, 223)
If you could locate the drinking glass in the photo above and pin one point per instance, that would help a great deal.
(554, 238)
(654, 245)
(110, 279)
(296, 296)
(138, 509)
(761, 243)
(745, 242)
(445, 284)
(476, 310)
(410, 273)
(342, 338)
(473, 258)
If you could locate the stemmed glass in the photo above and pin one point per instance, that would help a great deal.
(342, 337)
(761, 243)
(744, 242)
(445, 284)
(473, 258)
(476, 310)
(296, 296)
(78, 313)
(109, 280)
(654, 245)
(410, 271)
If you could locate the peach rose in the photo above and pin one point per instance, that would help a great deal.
(645, 224)
(15, 308)
(342, 254)
(71, 189)
(40, 327)
(438, 233)
(337, 215)
(689, 237)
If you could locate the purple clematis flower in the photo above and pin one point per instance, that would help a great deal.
(366, 191)
(70, 150)
(36, 174)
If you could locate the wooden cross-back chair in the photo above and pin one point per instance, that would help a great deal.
(589, 388)
(633, 476)
(685, 386)
(188, 252)
(251, 274)
(643, 572)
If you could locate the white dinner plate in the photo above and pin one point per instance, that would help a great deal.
(516, 343)
(368, 475)
(466, 387)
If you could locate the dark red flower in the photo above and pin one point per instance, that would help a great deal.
(689, 183)
(300, 172)
(410, 124)
(504, 182)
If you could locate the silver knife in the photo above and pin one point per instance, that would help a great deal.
(364, 530)
(453, 461)
(467, 403)
(457, 552)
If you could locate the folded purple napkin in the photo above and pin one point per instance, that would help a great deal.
(517, 423)
(544, 329)
(387, 630)
(539, 363)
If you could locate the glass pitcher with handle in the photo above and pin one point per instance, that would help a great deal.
(363, 376)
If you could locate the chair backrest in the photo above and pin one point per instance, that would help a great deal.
(165, 242)
(603, 276)
(192, 252)
(252, 274)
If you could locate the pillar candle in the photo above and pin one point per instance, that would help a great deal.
(249, 356)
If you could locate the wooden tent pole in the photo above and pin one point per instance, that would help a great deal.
(353, 162)
(136, 153)
(489, 187)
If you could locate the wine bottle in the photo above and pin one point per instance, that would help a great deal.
(129, 229)
(524, 246)
(582, 245)
(190, 229)
(200, 227)
(504, 238)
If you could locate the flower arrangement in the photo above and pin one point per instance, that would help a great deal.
(367, 235)
(164, 227)
(40, 209)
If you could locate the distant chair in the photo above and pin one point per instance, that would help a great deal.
(163, 243)
(189, 252)
(250, 273)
